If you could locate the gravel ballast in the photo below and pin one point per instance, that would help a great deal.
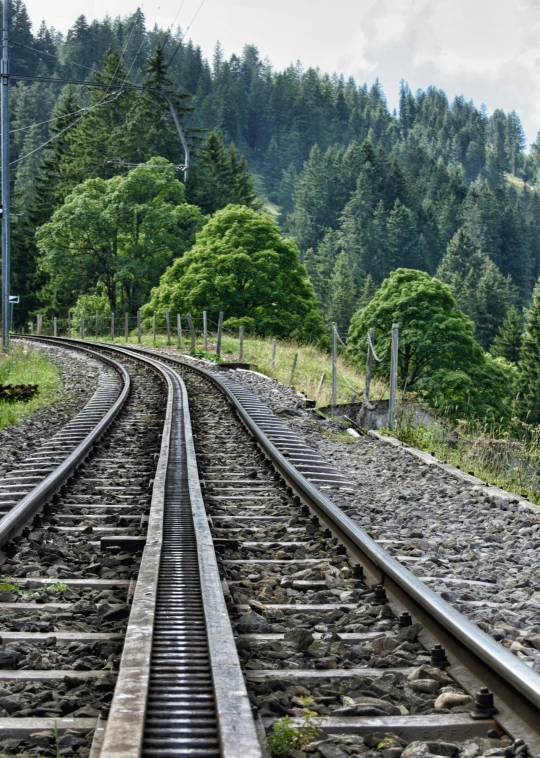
(479, 553)
(79, 376)
(309, 631)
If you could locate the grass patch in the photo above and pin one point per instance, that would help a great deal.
(26, 365)
(312, 362)
(508, 457)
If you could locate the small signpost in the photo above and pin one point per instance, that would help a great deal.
(13, 300)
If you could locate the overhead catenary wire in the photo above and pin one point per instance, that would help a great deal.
(177, 48)
(52, 55)
(59, 134)
(63, 115)
(172, 24)
(103, 100)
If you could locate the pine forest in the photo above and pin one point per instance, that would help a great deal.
(308, 202)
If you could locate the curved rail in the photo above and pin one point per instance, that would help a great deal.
(515, 685)
(512, 681)
(17, 518)
(161, 674)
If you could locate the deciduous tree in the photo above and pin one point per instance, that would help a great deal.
(242, 266)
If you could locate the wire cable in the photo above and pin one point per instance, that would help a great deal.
(51, 55)
(58, 134)
(184, 34)
(379, 360)
(64, 115)
(173, 23)
(27, 155)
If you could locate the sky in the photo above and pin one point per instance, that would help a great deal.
(486, 50)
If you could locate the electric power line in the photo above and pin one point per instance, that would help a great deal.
(184, 34)
(27, 155)
(64, 115)
(55, 136)
(51, 55)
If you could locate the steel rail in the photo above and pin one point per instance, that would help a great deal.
(18, 517)
(488, 661)
(500, 669)
(124, 732)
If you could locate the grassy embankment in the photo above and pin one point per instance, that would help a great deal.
(24, 365)
(504, 456)
(311, 364)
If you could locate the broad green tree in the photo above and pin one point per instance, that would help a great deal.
(438, 355)
(241, 265)
(122, 232)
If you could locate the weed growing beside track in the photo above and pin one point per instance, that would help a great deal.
(25, 365)
(508, 456)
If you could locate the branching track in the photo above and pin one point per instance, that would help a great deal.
(298, 603)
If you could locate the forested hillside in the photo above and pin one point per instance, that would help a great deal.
(438, 186)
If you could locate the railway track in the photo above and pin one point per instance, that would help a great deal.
(316, 615)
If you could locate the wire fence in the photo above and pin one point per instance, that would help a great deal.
(202, 335)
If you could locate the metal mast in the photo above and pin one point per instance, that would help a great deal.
(4, 118)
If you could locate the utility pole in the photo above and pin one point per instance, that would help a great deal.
(4, 108)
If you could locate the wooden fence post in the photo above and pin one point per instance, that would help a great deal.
(273, 362)
(82, 326)
(293, 369)
(191, 331)
(126, 326)
(319, 388)
(241, 338)
(179, 329)
(69, 324)
(112, 327)
(219, 331)
(154, 326)
(205, 331)
(168, 322)
(97, 326)
(139, 335)
(55, 327)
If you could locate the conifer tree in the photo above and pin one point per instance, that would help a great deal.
(507, 343)
(369, 288)
(342, 295)
(149, 129)
(529, 363)
(54, 182)
(220, 177)
(96, 142)
(481, 291)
